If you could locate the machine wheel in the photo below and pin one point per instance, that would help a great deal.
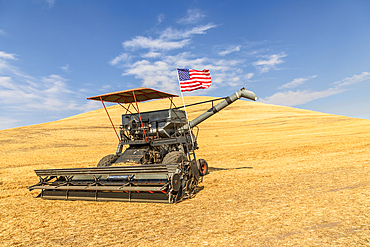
(174, 157)
(175, 182)
(202, 167)
(108, 160)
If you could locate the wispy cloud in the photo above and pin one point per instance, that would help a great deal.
(294, 98)
(174, 34)
(7, 56)
(229, 50)
(297, 82)
(6, 68)
(154, 44)
(161, 18)
(22, 92)
(354, 79)
(153, 74)
(169, 39)
(120, 58)
(50, 3)
(6, 123)
(151, 54)
(156, 68)
(154, 59)
(270, 62)
(162, 75)
(44, 94)
(2, 32)
(65, 68)
(192, 16)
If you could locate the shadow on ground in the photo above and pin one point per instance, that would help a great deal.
(216, 169)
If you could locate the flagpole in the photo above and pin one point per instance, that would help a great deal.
(186, 114)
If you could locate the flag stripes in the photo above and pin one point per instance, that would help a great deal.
(191, 79)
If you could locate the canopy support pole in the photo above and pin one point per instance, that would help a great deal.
(110, 119)
(142, 125)
(127, 109)
(172, 103)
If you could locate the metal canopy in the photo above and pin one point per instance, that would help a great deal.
(128, 96)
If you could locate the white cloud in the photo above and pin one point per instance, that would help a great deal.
(162, 75)
(151, 54)
(293, 98)
(354, 79)
(192, 16)
(7, 69)
(35, 98)
(5, 55)
(170, 33)
(90, 105)
(297, 82)
(105, 88)
(266, 65)
(120, 58)
(6, 123)
(169, 39)
(157, 66)
(49, 93)
(249, 76)
(156, 74)
(154, 44)
(6, 82)
(160, 18)
(65, 68)
(50, 3)
(230, 50)
(21, 92)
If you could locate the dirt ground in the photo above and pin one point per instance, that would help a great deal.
(279, 176)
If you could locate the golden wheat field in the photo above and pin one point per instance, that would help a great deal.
(278, 176)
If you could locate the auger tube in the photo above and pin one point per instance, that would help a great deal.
(227, 101)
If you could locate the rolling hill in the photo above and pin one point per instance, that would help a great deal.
(278, 176)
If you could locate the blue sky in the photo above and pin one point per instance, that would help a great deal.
(306, 54)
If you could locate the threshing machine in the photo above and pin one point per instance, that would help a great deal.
(158, 164)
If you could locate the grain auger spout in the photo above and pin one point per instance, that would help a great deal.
(227, 101)
(154, 161)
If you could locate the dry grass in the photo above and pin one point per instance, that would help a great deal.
(279, 176)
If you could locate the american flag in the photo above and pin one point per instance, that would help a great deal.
(191, 79)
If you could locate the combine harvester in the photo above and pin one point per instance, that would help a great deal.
(161, 144)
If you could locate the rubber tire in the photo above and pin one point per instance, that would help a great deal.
(108, 160)
(174, 157)
(202, 163)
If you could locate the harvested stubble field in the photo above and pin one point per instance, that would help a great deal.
(279, 176)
